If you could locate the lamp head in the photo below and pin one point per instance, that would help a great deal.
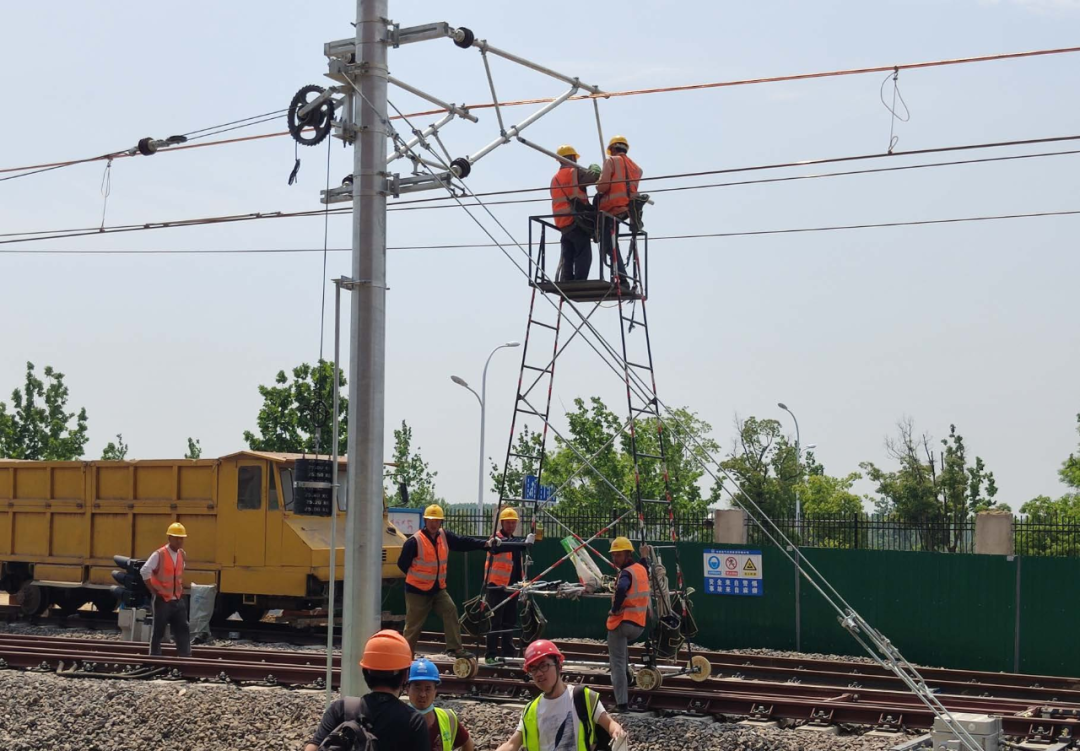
(459, 381)
(781, 405)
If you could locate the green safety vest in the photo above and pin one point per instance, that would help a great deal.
(448, 725)
(532, 730)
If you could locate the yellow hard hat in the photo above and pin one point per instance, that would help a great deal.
(434, 511)
(568, 150)
(620, 140)
(508, 514)
(176, 529)
(622, 544)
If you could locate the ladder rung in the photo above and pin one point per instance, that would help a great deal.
(525, 456)
(651, 456)
(634, 322)
(538, 370)
(652, 500)
(636, 365)
(641, 410)
(540, 323)
(530, 412)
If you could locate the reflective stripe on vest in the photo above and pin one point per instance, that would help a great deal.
(618, 171)
(167, 580)
(429, 565)
(564, 187)
(498, 568)
(636, 604)
(448, 725)
(531, 739)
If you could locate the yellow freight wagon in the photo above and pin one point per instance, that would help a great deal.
(61, 523)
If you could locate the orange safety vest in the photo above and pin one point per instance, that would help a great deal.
(564, 188)
(167, 580)
(619, 172)
(429, 565)
(499, 567)
(636, 604)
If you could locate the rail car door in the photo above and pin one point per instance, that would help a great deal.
(250, 532)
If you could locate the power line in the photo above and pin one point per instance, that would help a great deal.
(477, 246)
(606, 95)
(412, 205)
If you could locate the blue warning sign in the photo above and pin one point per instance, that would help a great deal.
(733, 572)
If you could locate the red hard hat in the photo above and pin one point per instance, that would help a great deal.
(540, 649)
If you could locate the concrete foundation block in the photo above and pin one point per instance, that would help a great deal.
(729, 526)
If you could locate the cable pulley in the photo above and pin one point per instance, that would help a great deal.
(319, 118)
(464, 38)
(148, 145)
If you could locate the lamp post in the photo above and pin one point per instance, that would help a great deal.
(798, 461)
(482, 398)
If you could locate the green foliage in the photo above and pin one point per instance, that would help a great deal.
(765, 466)
(935, 493)
(194, 450)
(293, 413)
(822, 495)
(412, 470)
(115, 451)
(1070, 468)
(595, 434)
(1042, 532)
(39, 425)
(527, 446)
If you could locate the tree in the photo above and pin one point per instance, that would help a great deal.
(1070, 468)
(526, 448)
(194, 450)
(115, 451)
(39, 425)
(822, 496)
(293, 414)
(1042, 532)
(411, 469)
(936, 493)
(765, 466)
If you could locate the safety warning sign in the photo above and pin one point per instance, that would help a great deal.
(733, 572)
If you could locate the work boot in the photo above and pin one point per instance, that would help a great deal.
(622, 708)
(456, 653)
(494, 661)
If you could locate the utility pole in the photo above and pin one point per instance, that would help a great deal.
(367, 365)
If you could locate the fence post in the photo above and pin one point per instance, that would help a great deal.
(798, 604)
(994, 533)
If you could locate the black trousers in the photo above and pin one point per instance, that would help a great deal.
(576, 254)
(608, 227)
(172, 613)
(504, 620)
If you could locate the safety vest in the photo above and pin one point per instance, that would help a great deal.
(429, 565)
(636, 604)
(167, 580)
(531, 739)
(448, 725)
(498, 567)
(564, 188)
(619, 172)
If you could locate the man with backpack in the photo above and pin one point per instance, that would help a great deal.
(562, 718)
(445, 731)
(379, 717)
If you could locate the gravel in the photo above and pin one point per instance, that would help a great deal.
(66, 714)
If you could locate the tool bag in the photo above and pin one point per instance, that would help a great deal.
(533, 622)
(476, 616)
(669, 636)
(354, 733)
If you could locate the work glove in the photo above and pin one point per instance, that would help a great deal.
(530, 538)
(493, 543)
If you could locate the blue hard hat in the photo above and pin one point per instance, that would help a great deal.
(424, 670)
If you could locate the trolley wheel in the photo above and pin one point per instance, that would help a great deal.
(700, 668)
(648, 678)
(466, 667)
(32, 599)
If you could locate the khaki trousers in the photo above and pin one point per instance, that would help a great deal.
(417, 608)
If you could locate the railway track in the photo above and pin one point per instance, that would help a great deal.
(809, 701)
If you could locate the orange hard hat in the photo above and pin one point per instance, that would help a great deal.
(387, 651)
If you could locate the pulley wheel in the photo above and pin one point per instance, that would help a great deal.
(467, 38)
(319, 119)
(648, 678)
(700, 668)
(466, 667)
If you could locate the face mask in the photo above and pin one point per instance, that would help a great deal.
(429, 710)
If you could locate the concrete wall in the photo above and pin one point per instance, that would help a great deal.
(994, 533)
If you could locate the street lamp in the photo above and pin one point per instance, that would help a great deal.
(798, 461)
(482, 398)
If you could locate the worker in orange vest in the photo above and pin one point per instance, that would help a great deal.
(423, 560)
(164, 576)
(629, 608)
(569, 200)
(501, 569)
(617, 187)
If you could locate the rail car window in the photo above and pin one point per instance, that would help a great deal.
(287, 489)
(249, 488)
(271, 496)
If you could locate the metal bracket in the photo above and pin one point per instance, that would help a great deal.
(398, 36)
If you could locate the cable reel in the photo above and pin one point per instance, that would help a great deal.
(319, 118)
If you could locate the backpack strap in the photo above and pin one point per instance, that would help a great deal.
(352, 708)
(585, 715)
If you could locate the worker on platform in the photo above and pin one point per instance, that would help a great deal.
(501, 568)
(445, 731)
(629, 607)
(570, 204)
(562, 718)
(423, 560)
(163, 573)
(617, 188)
(386, 661)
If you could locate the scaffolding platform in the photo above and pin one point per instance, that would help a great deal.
(590, 290)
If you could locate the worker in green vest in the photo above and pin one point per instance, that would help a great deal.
(445, 730)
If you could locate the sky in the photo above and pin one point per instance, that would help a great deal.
(971, 324)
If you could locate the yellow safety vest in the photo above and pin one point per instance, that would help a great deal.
(448, 725)
(531, 739)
